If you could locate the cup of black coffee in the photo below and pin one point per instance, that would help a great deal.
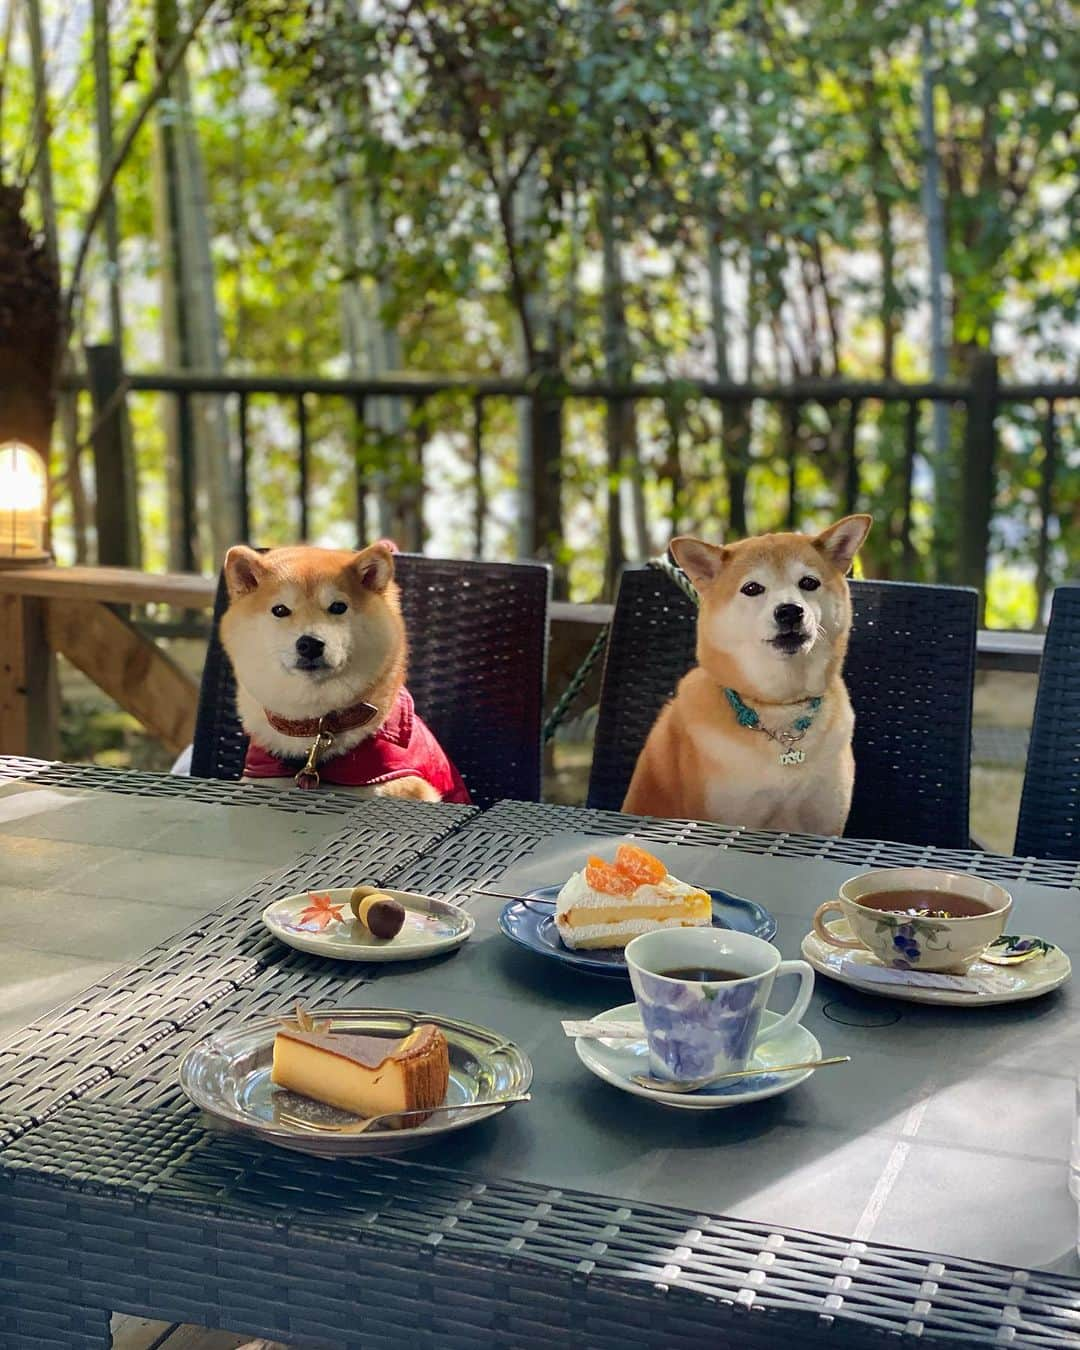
(701, 993)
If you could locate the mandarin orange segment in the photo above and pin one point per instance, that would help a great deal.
(603, 876)
(641, 867)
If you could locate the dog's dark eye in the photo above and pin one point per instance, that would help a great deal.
(752, 588)
(281, 611)
(809, 584)
(338, 607)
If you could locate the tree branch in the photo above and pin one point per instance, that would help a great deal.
(145, 108)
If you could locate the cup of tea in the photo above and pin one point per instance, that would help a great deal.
(701, 993)
(917, 918)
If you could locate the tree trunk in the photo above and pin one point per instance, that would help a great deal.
(354, 318)
(384, 358)
(189, 306)
(42, 152)
(944, 510)
(519, 221)
(132, 549)
(372, 347)
(174, 345)
(545, 432)
(218, 498)
(616, 366)
(734, 417)
(890, 298)
(104, 119)
(540, 431)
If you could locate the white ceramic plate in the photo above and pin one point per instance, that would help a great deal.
(228, 1076)
(1010, 984)
(431, 926)
(615, 1061)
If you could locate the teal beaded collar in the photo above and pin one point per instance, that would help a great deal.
(788, 737)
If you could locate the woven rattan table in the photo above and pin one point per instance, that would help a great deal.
(587, 1218)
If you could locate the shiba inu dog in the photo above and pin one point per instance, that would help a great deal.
(318, 646)
(759, 732)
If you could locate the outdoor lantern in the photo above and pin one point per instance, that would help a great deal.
(24, 505)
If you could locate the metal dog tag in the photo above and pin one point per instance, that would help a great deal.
(792, 756)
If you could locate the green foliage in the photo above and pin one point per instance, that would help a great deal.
(760, 169)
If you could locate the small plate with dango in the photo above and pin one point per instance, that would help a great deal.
(368, 923)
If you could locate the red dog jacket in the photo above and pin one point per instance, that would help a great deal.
(403, 747)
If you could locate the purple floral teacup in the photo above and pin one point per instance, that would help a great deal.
(698, 1027)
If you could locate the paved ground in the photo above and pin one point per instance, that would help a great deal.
(1005, 747)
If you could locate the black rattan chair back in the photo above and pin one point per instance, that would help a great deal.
(478, 659)
(1049, 824)
(910, 672)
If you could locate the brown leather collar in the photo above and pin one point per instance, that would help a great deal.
(348, 719)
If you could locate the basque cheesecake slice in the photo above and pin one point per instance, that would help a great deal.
(367, 1075)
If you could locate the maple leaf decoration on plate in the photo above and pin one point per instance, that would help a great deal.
(303, 1021)
(319, 914)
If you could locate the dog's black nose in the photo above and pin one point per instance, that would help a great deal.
(786, 616)
(311, 647)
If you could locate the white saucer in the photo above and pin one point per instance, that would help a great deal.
(1000, 984)
(614, 1062)
(431, 926)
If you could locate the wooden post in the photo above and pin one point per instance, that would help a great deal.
(29, 701)
(114, 513)
(979, 468)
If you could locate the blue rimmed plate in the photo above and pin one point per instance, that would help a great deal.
(533, 926)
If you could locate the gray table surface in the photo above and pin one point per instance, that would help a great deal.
(89, 880)
(948, 1132)
(92, 879)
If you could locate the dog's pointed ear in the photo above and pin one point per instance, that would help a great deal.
(700, 561)
(374, 567)
(841, 541)
(244, 570)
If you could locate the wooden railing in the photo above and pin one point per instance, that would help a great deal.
(739, 455)
(73, 611)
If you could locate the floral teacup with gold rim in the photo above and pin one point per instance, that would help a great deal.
(965, 915)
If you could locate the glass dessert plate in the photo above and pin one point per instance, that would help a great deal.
(228, 1077)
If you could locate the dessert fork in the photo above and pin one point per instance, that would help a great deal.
(530, 902)
(362, 1126)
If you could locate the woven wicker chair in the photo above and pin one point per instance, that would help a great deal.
(1049, 824)
(910, 672)
(478, 658)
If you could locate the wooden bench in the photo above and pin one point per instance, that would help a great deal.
(72, 610)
